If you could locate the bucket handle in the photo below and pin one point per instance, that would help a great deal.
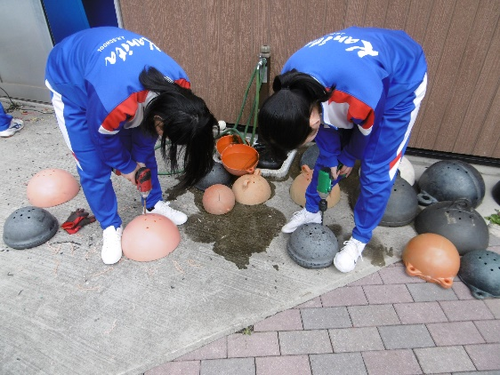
(425, 199)
(462, 204)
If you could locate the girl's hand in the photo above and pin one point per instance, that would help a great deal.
(131, 176)
(343, 171)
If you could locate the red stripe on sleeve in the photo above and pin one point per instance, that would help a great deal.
(124, 111)
(183, 83)
(357, 109)
(394, 161)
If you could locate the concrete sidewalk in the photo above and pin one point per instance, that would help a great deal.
(65, 312)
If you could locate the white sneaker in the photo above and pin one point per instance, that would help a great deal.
(345, 260)
(163, 208)
(301, 217)
(111, 245)
(15, 126)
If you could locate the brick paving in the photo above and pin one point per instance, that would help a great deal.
(385, 323)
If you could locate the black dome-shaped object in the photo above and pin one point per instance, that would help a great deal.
(267, 158)
(28, 227)
(217, 175)
(402, 207)
(495, 192)
(480, 271)
(312, 246)
(458, 221)
(448, 180)
(310, 156)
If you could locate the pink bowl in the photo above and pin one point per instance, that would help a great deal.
(218, 199)
(150, 237)
(51, 187)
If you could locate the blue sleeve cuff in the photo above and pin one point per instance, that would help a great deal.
(129, 168)
(347, 159)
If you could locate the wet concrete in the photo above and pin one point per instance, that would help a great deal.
(243, 231)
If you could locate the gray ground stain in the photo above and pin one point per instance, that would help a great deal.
(377, 253)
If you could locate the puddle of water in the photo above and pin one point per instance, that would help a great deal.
(237, 235)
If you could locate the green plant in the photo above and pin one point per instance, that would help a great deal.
(247, 331)
(494, 218)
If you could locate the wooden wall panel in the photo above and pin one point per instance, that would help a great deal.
(292, 24)
(376, 12)
(334, 17)
(434, 44)
(355, 13)
(491, 123)
(397, 14)
(483, 114)
(218, 42)
(457, 118)
(444, 78)
(417, 20)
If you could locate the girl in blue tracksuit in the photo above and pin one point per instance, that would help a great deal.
(364, 82)
(114, 93)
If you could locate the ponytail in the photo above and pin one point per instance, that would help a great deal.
(188, 126)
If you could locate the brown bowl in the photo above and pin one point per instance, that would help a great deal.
(240, 159)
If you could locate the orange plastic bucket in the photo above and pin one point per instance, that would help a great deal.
(227, 140)
(240, 159)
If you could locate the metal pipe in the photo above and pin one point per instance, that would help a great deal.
(265, 72)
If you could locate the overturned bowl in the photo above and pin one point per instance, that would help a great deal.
(456, 220)
(301, 182)
(312, 245)
(251, 189)
(150, 237)
(218, 199)
(432, 258)
(448, 180)
(240, 159)
(480, 271)
(29, 227)
(51, 187)
(217, 175)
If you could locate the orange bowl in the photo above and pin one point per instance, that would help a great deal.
(240, 159)
(226, 140)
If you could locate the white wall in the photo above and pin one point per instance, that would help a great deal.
(25, 43)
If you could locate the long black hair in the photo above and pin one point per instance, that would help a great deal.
(284, 116)
(187, 122)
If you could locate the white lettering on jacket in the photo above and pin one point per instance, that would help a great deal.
(125, 48)
(365, 49)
